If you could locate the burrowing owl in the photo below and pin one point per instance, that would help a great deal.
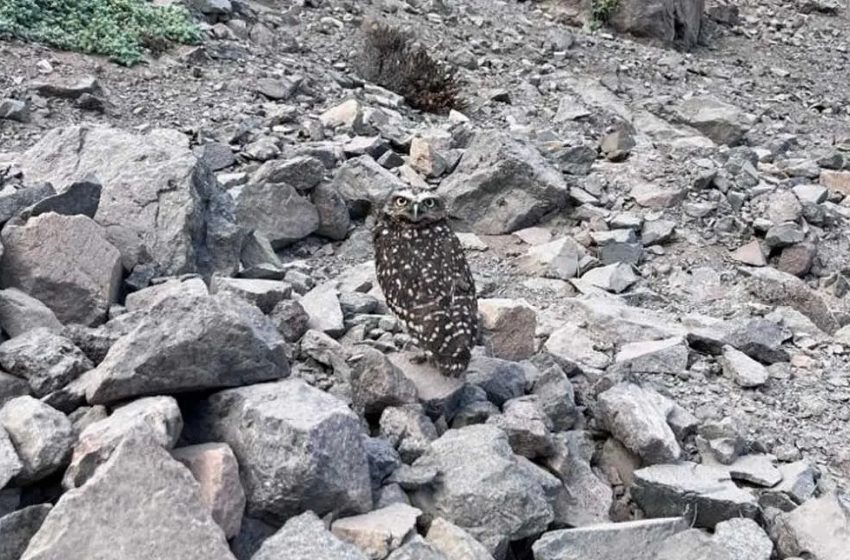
(423, 273)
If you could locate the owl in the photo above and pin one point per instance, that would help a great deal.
(422, 270)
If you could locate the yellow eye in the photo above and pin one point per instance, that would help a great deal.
(400, 201)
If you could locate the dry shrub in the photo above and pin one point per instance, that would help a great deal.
(391, 59)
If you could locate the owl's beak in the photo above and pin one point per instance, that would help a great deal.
(415, 212)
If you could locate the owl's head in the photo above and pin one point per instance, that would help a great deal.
(414, 207)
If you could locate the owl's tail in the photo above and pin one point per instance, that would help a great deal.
(452, 366)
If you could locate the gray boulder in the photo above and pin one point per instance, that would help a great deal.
(299, 448)
(46, 359)
(188, 344)
(377, 383)
(42, 437)
(141, 502)
(483, 487)
(633, 540)
(527, 426)
(10, 464)
(147, 298)
(454, 542)
(157, 418)
(364, 185)
(82, 197)
(705, 493)
(670, 21)
(20, 312)
(583, 499)
(417, 549)
(265, 294)
(818, 529)
(719, 121)
(334, 219)
(15, 200)
(378, 532)
(305, 538)
(408, 429)
(11, 387)
(158, 202)
(277, 211)
(17, 528)
(64, 261)
(502, 185)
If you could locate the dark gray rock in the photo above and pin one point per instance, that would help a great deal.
(501, 379)
(761, 339)
(82, 197)
(671, 21)
(364, 185)
(16, 530)
(483, 487)
(312, 440)
(265, 294)
(301, 172)
(502, 185)
(46, 359)
(408, 429)
(157, 418)
(633, 540)
(383, 459)
(141, 502)
(188, 344)
(20, 313)
(583, 499)
(721, 122)
(334, 218)
(215, 155)
(277, 211)
(158, 202)
(527, 426)
(11, 387)
(16, 201)
(14, 110)
(377, 383)
(305, 538)
(556, 397)
(42, 437)
(251, 537)
(706, 494)
(65, 262)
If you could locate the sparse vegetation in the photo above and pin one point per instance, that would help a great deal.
(120, 29)
(391, 59)
(602, 10)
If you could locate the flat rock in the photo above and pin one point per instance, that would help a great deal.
(750, 253)
(483, 487)
(614, 278)
(745, 371)
(637, 417)
(705, 493)
(820, 529)
(378, 532)
(277, 211)
(633, 540)
(157, 418)
(65, 262)
(502, 185)
(157, 198)
(147, 298)
(322, 306)
(779, 288)
(721, 122)
(759, 470)
(312, 439)
(656, 356)
(574, 348)
(42, 437)
(454, 542)
(744, 539)
(20, 312)
(187, 344)
(17, 528)
(615, 322)
(265, 294)
(215, 468)
(560, 258)
(305, 538)
(509, 327)
(46, 359)
(417, 549)
(141, 502)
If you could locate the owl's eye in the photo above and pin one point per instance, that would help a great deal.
(429, 202)
(400, 201)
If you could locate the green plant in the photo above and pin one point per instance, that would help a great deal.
(602, 10)
(390, 58)
(120, 29)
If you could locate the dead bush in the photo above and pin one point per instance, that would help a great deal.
(390, 58)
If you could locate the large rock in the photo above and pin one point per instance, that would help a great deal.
(188, 344)
(744, 370)
(818, 529)
(719, 121)
(583, 499)
(12, 202)
(454, 542)
(47, 360)
(65, 262)
(20, 312)
(277, 211)
(215, 468)
(483, 487)
(11, 387)
(508, 328)
(142, 503)
(158, 202)
(779, 288)
(147, 298)
(634, 540)
(16, 530)
(298, 447)
(637, 417)
(364, 185)
(671, 21)
(265, 294)
(527, 426)
(705, 493)
(574, 349)
(305, 538)
(42, 436)
(377, 383)
(10, 464)
(157, 418)
(502, 185)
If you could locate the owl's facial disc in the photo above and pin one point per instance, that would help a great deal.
(414, 208)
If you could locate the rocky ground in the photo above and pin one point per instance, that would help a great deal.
(196, 361)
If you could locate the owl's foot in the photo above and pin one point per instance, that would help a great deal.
(419, 357)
